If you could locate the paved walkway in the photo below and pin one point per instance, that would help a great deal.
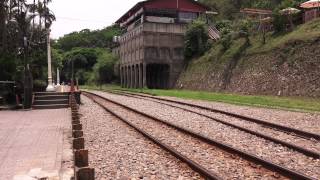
(35, 144)
(63, 88)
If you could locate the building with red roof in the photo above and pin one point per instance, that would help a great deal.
(311, 10)
(151, 46)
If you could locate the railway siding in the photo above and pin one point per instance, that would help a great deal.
(117, 151)
(235, 138)
(311, 146)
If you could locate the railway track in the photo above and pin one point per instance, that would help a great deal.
(283, 128)
(303, 136)
(174, 129)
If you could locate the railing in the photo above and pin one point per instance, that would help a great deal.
(213, 33)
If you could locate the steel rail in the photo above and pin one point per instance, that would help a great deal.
(253, 158)
(287, 129)
(300, 149)
(195, 166)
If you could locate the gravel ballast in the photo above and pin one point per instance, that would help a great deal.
(224, 164)
(299, 120)
(238, 139)
(310, 144)
(116, 151)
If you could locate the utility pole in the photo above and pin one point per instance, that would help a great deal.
(50, 87)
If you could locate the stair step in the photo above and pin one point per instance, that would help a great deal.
(51, 93)
(51, 100)
(51, 97)
(48, 102)
(54, 106)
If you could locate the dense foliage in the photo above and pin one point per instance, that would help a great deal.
(196, 39)
(23, 32)
(229, 9)
(86, 38)
(90, 54)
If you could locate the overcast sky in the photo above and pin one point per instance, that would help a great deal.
(75, 15)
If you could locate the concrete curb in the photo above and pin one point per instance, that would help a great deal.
(81, 155)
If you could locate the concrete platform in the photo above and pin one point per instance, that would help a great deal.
(35, 144)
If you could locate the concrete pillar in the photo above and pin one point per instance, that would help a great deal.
(128, 77)
(50, 87)
(125, 74)
(121, 77)
(132, 77)
(137, 76)
(128, 81)
(140, 75)
(58, 77)
(144, 75)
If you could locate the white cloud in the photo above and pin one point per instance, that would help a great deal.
(75, 15)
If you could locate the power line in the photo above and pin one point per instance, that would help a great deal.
(84, 20)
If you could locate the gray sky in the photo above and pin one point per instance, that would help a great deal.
(75, 15)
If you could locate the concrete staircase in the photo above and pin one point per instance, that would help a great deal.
(50, 100)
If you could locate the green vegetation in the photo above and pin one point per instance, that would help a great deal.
(229, 68)
(23, 30)
(90, 53)
(304, 32)
(229, 9)
(88, 39)
(196, 39)
(294, 104)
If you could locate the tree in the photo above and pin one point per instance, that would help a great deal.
(88, 39)
(18, 20)
(196, 39)
(244, 29)
(103, 70)
(225, 28)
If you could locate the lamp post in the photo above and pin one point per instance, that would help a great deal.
(58, 77)
(50, 87)
(72, 76)
(28, 80)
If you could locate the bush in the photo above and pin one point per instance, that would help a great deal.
(279, 22)
(224, 26)
(244, 30)
(196, 39)
(39, 85)
(103, 70)
(226, 41)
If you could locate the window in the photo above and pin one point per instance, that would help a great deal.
(187, 16)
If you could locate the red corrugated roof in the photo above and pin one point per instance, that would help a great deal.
(183, 5)
(311, 4)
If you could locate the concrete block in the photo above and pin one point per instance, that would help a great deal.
(75, 117)
(85, 173)
(78, 143)
(81, 158)
(77, 134)
(77, 127)
(74, 122)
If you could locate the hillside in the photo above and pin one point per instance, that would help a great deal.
(287, 65)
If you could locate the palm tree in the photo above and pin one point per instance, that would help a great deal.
(48, 15)
(3, 18)
(43, 13)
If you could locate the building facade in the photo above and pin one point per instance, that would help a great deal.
(151, 47)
